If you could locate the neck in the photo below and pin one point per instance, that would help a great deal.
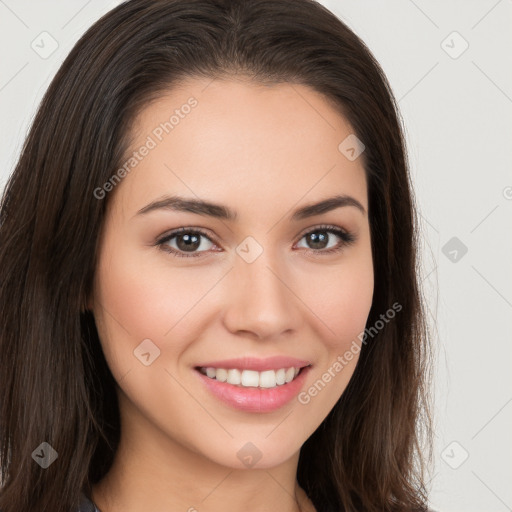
(151, 471)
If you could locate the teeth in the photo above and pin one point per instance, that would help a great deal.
(234, 376)
(222, 375)
(251, 378)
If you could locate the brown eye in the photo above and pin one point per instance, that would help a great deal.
(318, 239)
(323, 239)
(185, 242)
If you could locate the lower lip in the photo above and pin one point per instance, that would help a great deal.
(255, 399)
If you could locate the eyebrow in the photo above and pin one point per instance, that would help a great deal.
(206, 208)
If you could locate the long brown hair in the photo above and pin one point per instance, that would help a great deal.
(370, 452)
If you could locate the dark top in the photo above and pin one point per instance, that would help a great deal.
(86, 505)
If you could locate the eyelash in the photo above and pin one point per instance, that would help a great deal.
(346, 237)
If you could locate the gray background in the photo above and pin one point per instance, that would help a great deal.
(457, 109)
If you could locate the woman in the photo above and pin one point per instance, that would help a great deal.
(208, 273)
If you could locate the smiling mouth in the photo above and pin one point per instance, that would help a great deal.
(252, 378)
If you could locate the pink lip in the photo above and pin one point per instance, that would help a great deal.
(260, 365)
(255, 399)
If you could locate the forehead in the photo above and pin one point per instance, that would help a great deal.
(243, 143)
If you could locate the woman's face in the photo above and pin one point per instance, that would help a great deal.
(264, 282)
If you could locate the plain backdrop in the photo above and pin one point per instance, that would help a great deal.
(449, 65)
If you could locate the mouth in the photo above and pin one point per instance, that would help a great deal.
(245, 378)
(254, 391)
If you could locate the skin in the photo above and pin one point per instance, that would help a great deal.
(264, 151)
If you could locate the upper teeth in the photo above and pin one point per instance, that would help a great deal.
(251, 378)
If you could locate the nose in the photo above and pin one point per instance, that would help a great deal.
(262, 300)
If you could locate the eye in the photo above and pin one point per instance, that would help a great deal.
(320, 238)
(187, 241)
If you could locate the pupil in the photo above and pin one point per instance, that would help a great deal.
(189, 242)
(322, 238)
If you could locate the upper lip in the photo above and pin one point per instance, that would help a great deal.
(257, 364)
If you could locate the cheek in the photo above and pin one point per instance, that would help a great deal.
(341, 298)
(140, 298)
(133, 298)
